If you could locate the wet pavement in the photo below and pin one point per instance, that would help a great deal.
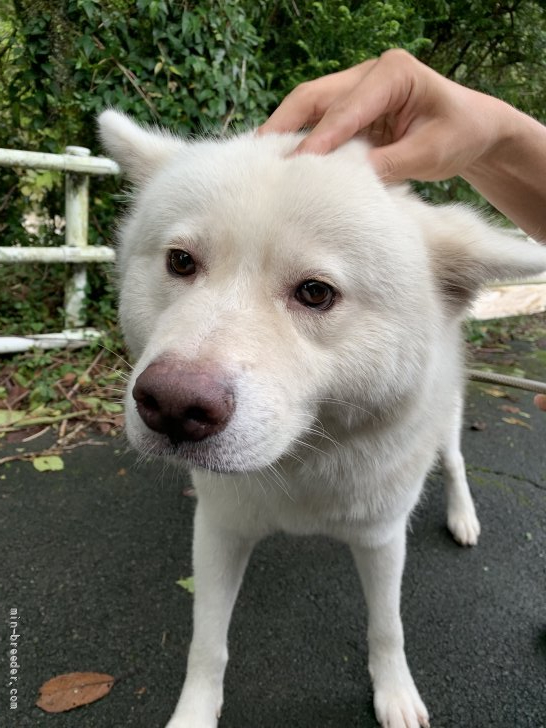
(91, 556)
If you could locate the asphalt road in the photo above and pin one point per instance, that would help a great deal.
(91, 556)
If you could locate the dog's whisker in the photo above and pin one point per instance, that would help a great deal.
(279, 480)
(259, 480)
(308, 445)
(118, 356)
(323, 435)
(334, 400)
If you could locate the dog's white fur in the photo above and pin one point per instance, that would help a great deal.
(339, 414)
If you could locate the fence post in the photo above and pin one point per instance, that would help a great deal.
(77, 222)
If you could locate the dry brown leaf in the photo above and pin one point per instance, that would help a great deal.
(16, 394)
(69, 691)
(510, 408)
(118, 420)
(515, 421)
(69, 378)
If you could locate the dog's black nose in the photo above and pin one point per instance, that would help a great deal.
(183, 402)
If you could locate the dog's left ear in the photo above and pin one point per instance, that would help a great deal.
(467, 252)
(139, 151)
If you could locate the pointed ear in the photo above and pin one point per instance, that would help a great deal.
(467, 252)
(139, 151)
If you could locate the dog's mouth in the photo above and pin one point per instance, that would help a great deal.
(204, 457)
(198, 415)
(212, 453)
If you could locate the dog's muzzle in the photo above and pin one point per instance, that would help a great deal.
(182, 401)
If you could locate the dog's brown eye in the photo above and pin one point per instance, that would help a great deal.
(180, 263)
(315, 294)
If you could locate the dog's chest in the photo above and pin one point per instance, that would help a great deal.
(340, 498)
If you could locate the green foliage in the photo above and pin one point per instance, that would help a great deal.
(308, 39)
(32, 298)
(492, 46)
(190, 65)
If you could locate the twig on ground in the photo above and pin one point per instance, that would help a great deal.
(42, 420)
(86, 373)
(50, 451)
(62, 441)
(36, 434)
(62, 428)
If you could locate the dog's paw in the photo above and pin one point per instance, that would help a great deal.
(192, 721)
(464, 526)
(400, 708)
(195, 710)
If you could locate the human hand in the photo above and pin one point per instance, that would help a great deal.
(422, 126)
(540, 401)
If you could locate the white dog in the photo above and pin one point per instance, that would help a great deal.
(295, 326)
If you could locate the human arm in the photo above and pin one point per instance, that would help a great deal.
(425, 127)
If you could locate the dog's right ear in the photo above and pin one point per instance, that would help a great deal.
(139, 151)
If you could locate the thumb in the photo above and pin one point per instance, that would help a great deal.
(396, 162)
(417, 155)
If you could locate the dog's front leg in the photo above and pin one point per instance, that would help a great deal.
(220, 557)
(396, 700)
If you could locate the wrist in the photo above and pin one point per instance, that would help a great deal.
(510, 171)
(510, 135)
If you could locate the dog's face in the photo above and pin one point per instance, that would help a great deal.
(259, 291)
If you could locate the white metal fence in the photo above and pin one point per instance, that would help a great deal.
(77, 164)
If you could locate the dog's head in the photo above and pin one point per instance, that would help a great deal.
(263, 294)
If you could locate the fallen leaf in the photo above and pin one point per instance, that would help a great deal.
(48, 462)
(478, 425)
(494, 392)
(16, 394)
(515, 421)
(21, 380)
(113, 407)
(122, 471)
(66, 692)
(92, 403)
(187, 584)
(10, 417)
(509, 408)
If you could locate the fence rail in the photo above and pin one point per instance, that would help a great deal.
(61, 254)
(75, 159)
(77, 164)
